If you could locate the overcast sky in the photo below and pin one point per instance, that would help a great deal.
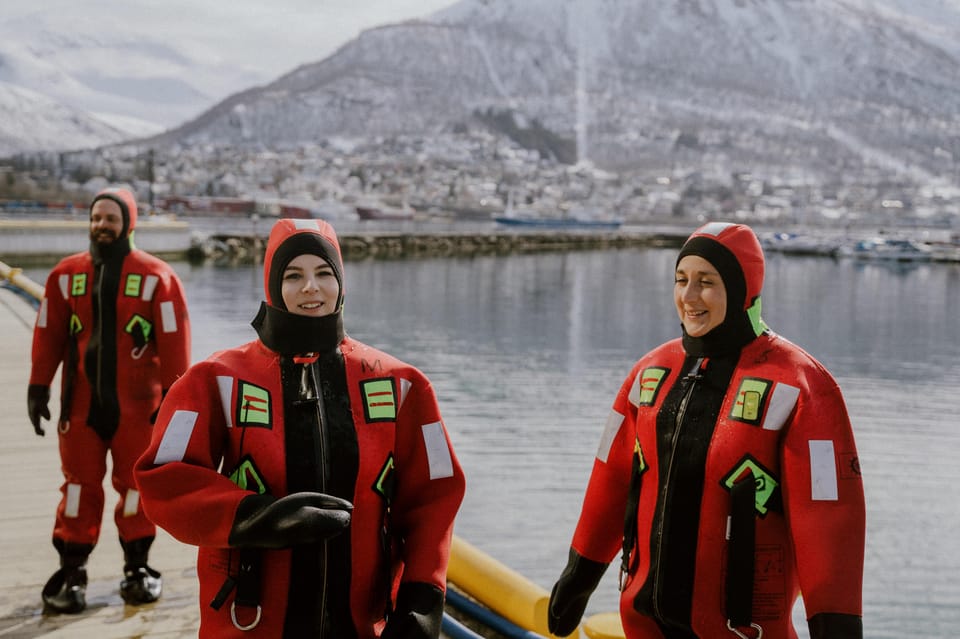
(267, 37)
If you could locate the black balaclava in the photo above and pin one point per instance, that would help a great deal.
(732, 249)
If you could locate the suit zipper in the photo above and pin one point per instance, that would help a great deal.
(309, 380)
(691, 378)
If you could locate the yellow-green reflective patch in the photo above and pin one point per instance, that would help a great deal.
(384, 484)
(142, 322)
(132, 287)
(766, 485)
(78, 284)
(379, 399)
(75, 324)
(254, 405)
(750, 400)
(650, 381)
(638, 451)
(247, 477)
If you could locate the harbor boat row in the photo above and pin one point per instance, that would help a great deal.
(871, 247)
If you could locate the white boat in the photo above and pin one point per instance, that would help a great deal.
(799, 244)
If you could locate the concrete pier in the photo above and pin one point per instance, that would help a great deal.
(28, 504)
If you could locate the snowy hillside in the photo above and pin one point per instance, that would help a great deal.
(34, 121)
(829, 84)
(639, 81)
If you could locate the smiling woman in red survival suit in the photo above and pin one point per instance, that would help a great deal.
(728, 454)
(314, 472)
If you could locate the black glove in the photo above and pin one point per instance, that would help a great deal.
(153, 415)
(38, 396)
(835, 626)
(263, 521)
(570, 594)
(418, 613)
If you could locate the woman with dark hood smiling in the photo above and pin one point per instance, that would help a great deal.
(729, 460)
(314, 472)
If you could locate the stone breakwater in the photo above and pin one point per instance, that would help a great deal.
(358, 246)
(39, 242)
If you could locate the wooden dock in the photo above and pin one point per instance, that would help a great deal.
(27, 505)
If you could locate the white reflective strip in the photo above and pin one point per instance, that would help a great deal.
(130, 503)
(634, 395)
(173, 446)
(168, 319)
(225, 384)
(42, 315)
(715, 228)
(823, 471)
(306, 224)
(72, 507)
(782, 401)
(149, 286)
(610, 430)
(64, 282)
(405, 385)
(438, 453)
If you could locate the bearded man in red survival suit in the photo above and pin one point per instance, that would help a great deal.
(313, 471)
(729, 456)
(116, 318)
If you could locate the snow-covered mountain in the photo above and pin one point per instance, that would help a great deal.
(832, 84)
(102, 58)
(627, 82)
(30, 120)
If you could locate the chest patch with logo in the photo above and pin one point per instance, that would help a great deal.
(78, 285)
(253, 406)
(648, 385)
(379, 399)
(750, 401)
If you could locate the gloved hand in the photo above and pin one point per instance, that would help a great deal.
(153, 415)
(263, 521)
(38, 396)
(418, 613)
(570, 594)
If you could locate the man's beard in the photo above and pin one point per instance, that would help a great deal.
(103, 237)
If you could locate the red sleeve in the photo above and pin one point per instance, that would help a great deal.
(824, 503)
(180, 487)
(173, 334)
(51, 329)
(430, 486)
(606, 496)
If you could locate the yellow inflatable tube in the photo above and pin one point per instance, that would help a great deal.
(18, 279)
(502, 590)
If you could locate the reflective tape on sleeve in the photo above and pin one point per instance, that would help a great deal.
(438, 453)
(42, 315)
(225, 385)
(168, 318)
(823, 470)
(610, 430)
(173, 446)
